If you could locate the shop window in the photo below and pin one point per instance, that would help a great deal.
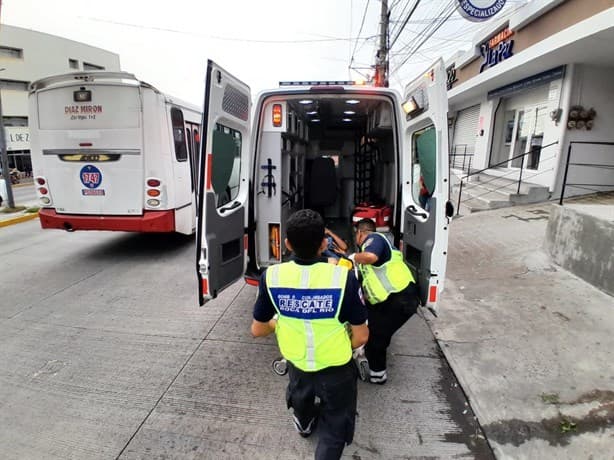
(14, 85)
(424, 165)
(8, 52)
(88, 66)
(226, 164)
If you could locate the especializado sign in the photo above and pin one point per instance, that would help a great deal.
(480, 10)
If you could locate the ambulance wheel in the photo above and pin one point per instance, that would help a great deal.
(280, 366)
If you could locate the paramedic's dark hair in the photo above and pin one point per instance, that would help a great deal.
(305, 232)
(366, 225)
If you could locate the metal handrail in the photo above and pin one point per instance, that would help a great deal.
(593, 165)
(473, 173)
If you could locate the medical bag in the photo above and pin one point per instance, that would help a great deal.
(380, 214)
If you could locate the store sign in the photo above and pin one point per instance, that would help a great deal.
(497, 49)
(451, 76)
(17, 138)
(529, 82)
(479, 10)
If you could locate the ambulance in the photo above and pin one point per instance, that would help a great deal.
(348, 151)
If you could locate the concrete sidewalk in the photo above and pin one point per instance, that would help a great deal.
(11, 218)
(531, 344)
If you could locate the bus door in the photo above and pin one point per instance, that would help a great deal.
(426, 182)
(223, 184)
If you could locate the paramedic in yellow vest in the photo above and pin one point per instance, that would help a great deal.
(389, 290)
(313, 302)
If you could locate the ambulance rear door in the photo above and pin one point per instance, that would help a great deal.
(223, 182)
(425, 181)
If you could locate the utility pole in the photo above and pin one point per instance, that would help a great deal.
(4, 159)
(381, 57)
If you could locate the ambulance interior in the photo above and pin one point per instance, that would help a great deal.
(331, 153)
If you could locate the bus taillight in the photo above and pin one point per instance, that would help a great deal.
(153, 192)
(40, 180)
(43, 191)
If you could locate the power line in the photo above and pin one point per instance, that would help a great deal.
(404, 24)
(229, 39)
(364, 15)
(429, 31)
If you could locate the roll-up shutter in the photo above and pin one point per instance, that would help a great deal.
(465, 131)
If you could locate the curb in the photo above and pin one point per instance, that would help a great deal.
(18, 219)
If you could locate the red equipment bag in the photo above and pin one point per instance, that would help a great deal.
(380, 214)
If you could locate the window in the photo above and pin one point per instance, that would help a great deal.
(7, 51)
(14, 85)
(88, 66)
(424, 165)
(73, 63)
(181, 151)
(226, 165)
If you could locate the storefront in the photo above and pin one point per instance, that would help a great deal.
(18, 149)
(514, 93)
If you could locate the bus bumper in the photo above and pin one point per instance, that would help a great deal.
(150, 221)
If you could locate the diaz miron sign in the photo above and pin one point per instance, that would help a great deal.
(479, 10)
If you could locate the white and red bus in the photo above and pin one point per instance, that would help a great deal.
(110, 152)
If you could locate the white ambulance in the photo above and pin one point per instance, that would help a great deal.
(338, 148)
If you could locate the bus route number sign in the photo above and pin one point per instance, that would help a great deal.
(91, 178)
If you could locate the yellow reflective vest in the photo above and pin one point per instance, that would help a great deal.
(308, 300)
(393, 276)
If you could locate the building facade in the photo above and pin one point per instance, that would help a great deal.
(26, 56)
(536, 88)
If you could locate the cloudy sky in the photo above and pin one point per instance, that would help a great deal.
(167, 43)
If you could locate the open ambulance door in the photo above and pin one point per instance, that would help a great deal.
(426, 182)
(223, 184)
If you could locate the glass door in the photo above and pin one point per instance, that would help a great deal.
(520, 137)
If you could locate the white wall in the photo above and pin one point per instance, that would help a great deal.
(592, 87)
(43, 55)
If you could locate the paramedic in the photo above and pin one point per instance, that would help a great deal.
(313, 301)
(389, 289)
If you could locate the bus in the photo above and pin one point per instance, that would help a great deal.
(345, 150)
(111, 152)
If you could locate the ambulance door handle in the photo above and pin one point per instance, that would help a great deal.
(414, 212)
(234, 205)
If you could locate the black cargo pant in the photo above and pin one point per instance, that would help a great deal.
(385, 319)
(336, 389)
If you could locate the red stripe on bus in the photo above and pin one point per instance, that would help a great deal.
(149, 222)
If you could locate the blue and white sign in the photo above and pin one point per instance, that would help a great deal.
(307, 303)
(90, 176)
(480, 10)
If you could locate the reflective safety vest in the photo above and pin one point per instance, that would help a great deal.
(393, 276)
(308, 300)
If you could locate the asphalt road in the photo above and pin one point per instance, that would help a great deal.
(105, 354)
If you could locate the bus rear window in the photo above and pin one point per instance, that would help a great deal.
(181, 151)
